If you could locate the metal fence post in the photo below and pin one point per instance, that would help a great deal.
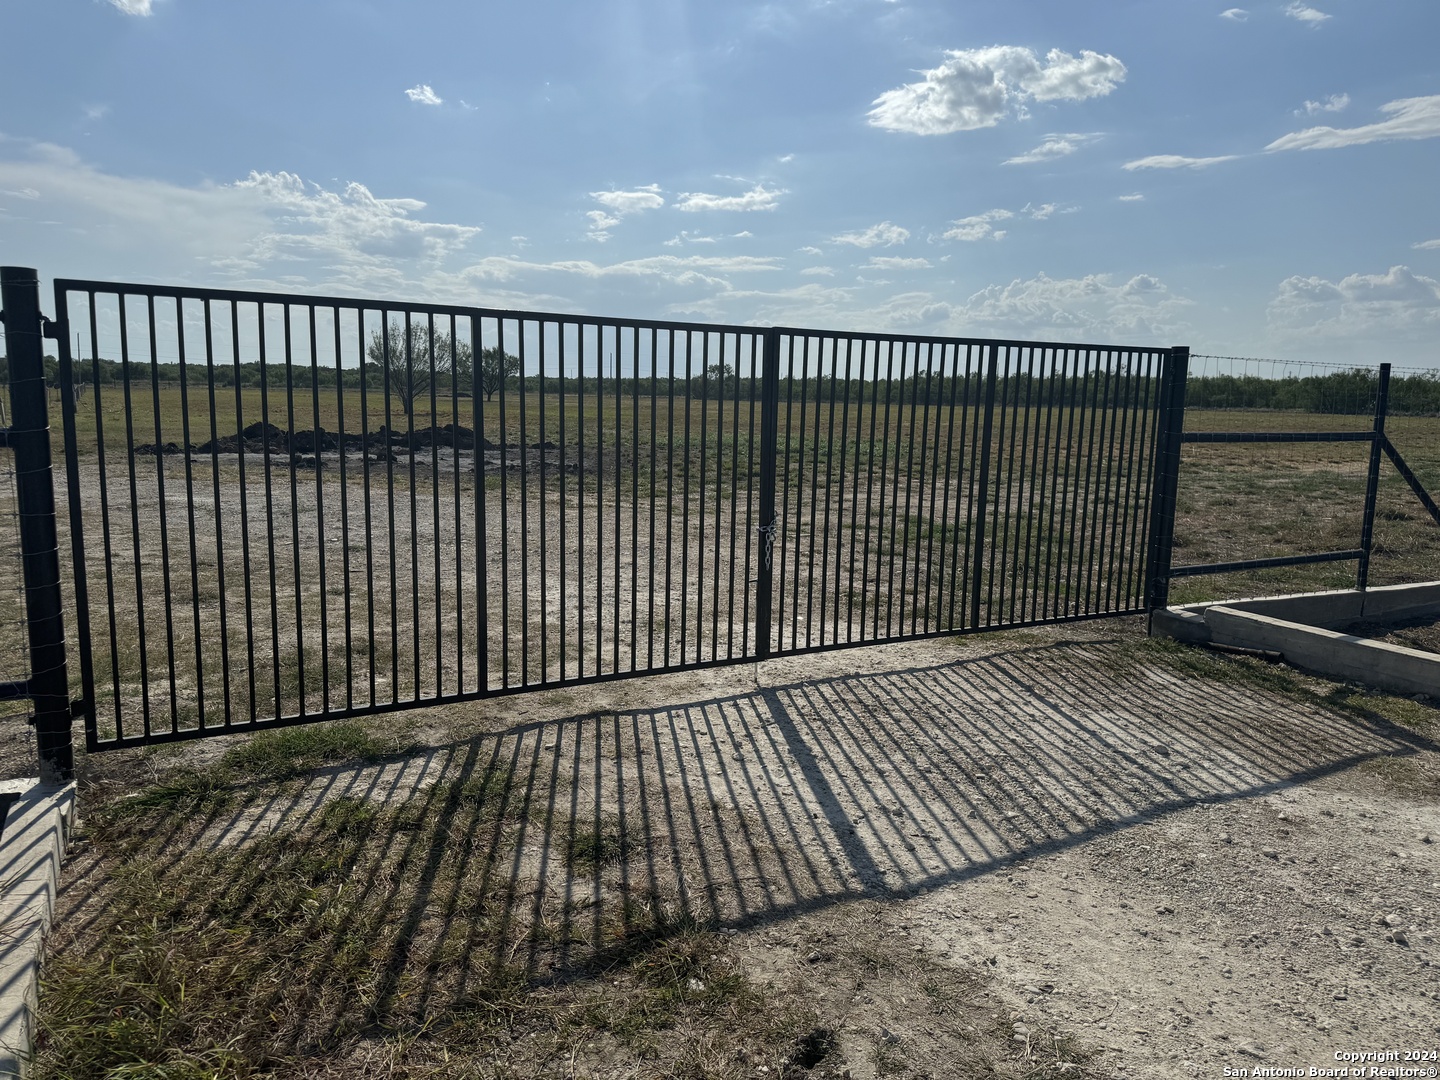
(982, 500)
(1167, 477)
(765, 532)
(29, 438)
(1372, 479)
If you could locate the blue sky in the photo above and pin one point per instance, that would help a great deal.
(1258, 181)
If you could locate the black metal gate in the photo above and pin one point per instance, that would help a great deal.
(295, 508)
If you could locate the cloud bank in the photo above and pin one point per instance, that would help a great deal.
(977, 88)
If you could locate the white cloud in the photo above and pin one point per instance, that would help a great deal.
(1334, 103)
(96, 112)
(811, 250)
(818, 271)
(1426, 245)
(978, 226)
(133, 7)
(1235, 14)
(1052, 147)
(786, 159)
(884, 234)
(1136, 197)
(1396, 303)
(630, 202)
(1175, 161)
(22, 193)
(894, 262)
(1305, 13)
(600, 224)
(1409, 118)
(757, 198)
(423, 95)
(1078, 309)
(977, 88)
(1041, 212)
(676, 268)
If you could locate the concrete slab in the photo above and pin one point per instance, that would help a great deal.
(31, 850)
(1305, 630)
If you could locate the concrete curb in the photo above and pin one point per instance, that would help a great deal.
(31, 852)
(1302, 629)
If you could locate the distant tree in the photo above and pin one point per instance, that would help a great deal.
(404, 359)
(496, 366)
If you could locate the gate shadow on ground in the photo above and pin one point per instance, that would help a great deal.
(553, 848)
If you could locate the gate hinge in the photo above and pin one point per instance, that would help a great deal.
(49, 328)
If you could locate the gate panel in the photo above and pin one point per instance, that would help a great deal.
(292, 513)
(301, 508)
(936, 485)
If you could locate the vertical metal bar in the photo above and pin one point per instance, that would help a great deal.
(1136, 484)
(914, 390)
(344, 512)
(244, 510)
(635, 458)
(869, 490)
(1167, 476)
(752, 340)
(1009, 414)
(704, 459)
(840, 488)
(1020, 577)
(654, 426)
(524, 515)
(599, 498)
(810, 529)
(972, 417)
(458, 541)
(189, 504)
(1082, 480)
(269, 511)
(685, 502)
(68, 406)
(435, 497)
(719, 495)
(320, 539)
(894, 482)
(977, 572)
(1070, 382)
(1372, 478)
(949, 496)
(134, 519)
(410, 396)
(294, 510)
(163, 515)
(1039, 464)
(734, 494)
(829, 480)
(504, 511)
(669, 487)
(769, 436)
(219, 519)
(363, 353)
(855, 487)
(109, 550)
(387, 374)
(1093, 531)
(482, 534)
(29, 438)
(619, 480)
(884, 467)
(929, 503)
(579, 500)
(560, 483)
(785, 494)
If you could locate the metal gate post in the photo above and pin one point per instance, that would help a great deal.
(29, 438)
(769, 439)
(1167, 477)
(1372, 480)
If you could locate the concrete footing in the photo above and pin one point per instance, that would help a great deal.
(31, 850)
(1308, 631)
